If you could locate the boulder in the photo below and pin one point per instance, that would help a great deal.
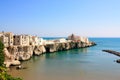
(118, 61)
(9, 63)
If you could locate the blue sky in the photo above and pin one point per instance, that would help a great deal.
(91, 18)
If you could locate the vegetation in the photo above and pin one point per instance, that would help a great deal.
(3, 73)
(5, 76)
(1, 54)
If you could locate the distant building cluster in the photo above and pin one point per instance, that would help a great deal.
(9, 39)
(78, 38)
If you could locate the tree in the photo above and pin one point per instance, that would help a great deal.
(3, 73)
(1, 54)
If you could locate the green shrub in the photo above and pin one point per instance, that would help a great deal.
(3, 73)
(1, 54)
(5, 76)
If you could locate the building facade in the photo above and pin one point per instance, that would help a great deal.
(22, 40)
(7, 38)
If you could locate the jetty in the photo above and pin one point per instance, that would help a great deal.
(113, 52)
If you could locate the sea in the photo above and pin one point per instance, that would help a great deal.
(77, 64)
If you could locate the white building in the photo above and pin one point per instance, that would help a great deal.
(62, 40)
(49, 42)
(84, 39)
(21, 40)
(6, 38)
(10, 38)
(34, 40)
(42, 41)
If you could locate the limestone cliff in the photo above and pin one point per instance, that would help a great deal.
(10, 59)
(39, 50)
(66, 46)
(22, 47)
(21, 52)
(14, 54)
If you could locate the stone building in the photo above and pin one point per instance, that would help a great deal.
(36, 40)
(74, 37)
(21, 40)
(7, 38)
(78, 38)
(10, 38)
(4, 40)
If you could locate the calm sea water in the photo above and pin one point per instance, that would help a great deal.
(77, 64)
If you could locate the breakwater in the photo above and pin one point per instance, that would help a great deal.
(114, 53)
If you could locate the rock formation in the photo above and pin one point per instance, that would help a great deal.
(39, 50)
(14, 54)
(66, 46)
(23, 47)
(10, 59)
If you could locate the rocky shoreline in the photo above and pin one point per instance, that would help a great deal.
(66, 46)
(14, 54)
(23, 47)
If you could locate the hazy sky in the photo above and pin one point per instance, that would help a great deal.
(92, 18)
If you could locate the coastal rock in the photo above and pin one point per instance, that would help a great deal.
(20, 67)
(14, 54)
(9, 63)
(10, 59)
(15, 62)
(22, 47)
(20, 52)
(118, 61)
(39, 50)
(50, 47)
(24, 52)
(60, 46)
(66, 46)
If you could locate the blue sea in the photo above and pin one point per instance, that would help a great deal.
(76, 64)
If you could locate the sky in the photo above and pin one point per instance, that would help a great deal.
(60, 18)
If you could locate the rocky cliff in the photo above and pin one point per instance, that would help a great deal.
(66, 46)
(14, 54)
